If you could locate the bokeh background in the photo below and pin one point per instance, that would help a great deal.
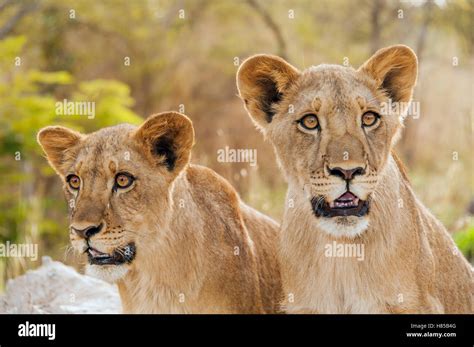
(136, 58)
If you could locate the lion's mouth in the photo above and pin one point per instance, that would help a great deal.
(119, 256)
(347, 204)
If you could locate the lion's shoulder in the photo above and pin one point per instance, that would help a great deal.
(209, 188)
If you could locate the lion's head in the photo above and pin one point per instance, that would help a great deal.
(118, 182)
(332, 127)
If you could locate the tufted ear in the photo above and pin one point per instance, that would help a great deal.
(167, 139)
(394, 69)
(58, 143)
(262, 81)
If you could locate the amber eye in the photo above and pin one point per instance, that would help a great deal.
(309, 122)
(74, 181)
(123, 180)
(369, 119)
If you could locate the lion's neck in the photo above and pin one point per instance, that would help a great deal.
(166, 266)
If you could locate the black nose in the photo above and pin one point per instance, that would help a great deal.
(89, 231)
(347, 174)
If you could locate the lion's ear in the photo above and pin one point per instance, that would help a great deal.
(57, 141)
(167, 139)
(394, 69)
(262, 80)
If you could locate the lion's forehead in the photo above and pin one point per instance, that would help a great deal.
(109, 139)
(107, 151)
(106, 163)
(336, 87)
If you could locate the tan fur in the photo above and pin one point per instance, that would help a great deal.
(200, 249)
(410, 264)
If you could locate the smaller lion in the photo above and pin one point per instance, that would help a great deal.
(354, 237)
(175, 237)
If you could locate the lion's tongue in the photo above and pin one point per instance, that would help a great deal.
(96, 253)
(346, 200)
(347, 196)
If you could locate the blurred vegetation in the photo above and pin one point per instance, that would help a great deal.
(135, 58)
(465, 240)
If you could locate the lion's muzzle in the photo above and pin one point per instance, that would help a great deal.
(347, 204)
(121, 255)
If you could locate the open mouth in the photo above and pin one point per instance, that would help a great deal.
(119, 256)
(346, 205)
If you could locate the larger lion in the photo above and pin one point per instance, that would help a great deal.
(175, 237)
(333, 129)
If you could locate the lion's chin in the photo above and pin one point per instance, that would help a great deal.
(346, 226)
(107, 273)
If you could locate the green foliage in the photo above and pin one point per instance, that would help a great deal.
(465, 241)
(458, 18)
(24, 108)
(10, 47)
(112, 103)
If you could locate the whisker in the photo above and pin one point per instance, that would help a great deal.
(120, 252)
(67, 251)
(320, 201)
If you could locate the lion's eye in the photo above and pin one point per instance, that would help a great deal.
(74, 181)
(309, 122)
(369, 119)
(123, 180)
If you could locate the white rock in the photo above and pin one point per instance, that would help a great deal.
(57, 288)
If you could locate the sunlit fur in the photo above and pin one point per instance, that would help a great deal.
(411, 264)
(199, 248)
(108, 273)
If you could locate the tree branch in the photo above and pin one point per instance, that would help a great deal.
(268, 20)
(5, 4)
(377, 8)
(428, 16)
(22, 11)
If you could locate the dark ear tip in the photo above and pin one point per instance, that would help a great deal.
(171, 135)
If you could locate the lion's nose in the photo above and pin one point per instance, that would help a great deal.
(88, 231)
(346, 174)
